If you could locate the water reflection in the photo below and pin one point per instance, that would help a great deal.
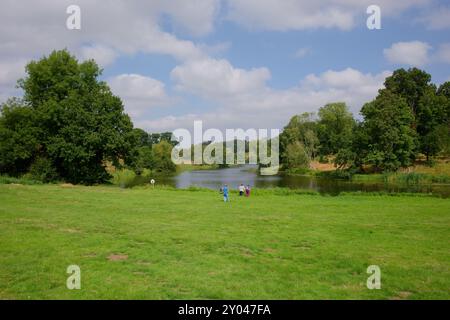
(214, 179)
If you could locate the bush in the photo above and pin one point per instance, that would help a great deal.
(124, 178)
(42, 170)
(146, 173)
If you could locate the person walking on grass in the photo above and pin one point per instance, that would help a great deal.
(225, 193)
(241, 190)
(247, 191)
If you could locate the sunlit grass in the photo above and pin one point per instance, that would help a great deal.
(185, 244)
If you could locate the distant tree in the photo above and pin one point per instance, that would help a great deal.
(388, 132)
(161, 157)
(143, 139)
(430, 107)
(301, 128)
(296, 156)
(355, 154)
(444, 128)
(431, 116)
(334, 128)
(156, 138)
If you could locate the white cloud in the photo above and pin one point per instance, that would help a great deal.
(305, 14)
(101, 54)
(260, 106)
(139, 93)
(413, 53)
(34, 27)
(213, 78)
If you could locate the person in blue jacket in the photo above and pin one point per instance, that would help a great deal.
(225, 193)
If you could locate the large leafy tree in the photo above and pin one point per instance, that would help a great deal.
(81, 125)
(19, 137)
(390, 138)
(430, 106)
(410, 84)
(432, 118)
(335, 128)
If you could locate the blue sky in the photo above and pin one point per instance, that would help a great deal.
(231, 63)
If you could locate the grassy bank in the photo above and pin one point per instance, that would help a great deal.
(161, 243)
(439, 173)
(411, 178)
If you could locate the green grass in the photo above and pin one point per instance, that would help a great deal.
(12, 180)
(191, 245)
(412, 178)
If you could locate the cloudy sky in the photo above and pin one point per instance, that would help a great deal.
(231, 63)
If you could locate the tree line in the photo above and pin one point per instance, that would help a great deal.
(69, 126)
(409, 118)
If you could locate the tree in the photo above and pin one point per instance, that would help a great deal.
(430, 106)
(410, 84)
(390, 139)
(19, 137)
(162, 157)
(432, 114)
(296, 156)
(334, 128)
(81, 124)
(444, 89)
(301, 128)
(354, 154)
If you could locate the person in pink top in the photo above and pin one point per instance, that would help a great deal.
(247, 191)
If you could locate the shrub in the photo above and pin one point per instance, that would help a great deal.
(42, 169)
(124, 178)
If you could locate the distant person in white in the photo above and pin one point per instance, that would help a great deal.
(241, 190)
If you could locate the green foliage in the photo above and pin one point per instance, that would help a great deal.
(410, 84)
(444, 89)
(42, 169)
(144, 159)
(69, 117)
(414, 178)
(296, 156)
(19, 137)
(22, 180)
(430, 106)
(339, 174)
(162, 157)
(124, 178)
(335, 128)
(300, 133)
(391, 141)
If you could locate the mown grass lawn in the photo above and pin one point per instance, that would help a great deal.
(167, 244)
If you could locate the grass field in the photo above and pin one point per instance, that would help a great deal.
(149, 243)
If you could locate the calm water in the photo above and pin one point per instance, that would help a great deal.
(214, 179)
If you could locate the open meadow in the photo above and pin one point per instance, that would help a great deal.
(146, 243)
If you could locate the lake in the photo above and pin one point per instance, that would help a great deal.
(247, 174)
